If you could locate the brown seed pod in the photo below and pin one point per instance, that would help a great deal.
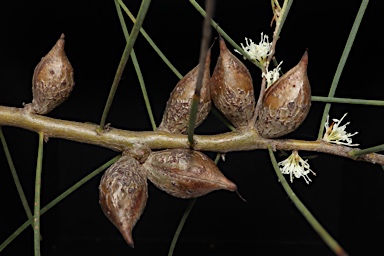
(286, 103)
(52, 80)
(185, 173)
(232, 88)
(123, 194)
(176, 114)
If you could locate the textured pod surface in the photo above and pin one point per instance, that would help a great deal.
(232, 88)
(123, 194)
(286, 103)
(185, 173)
(52, 80)
(176, 114)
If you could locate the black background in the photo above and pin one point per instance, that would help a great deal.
(345, 196)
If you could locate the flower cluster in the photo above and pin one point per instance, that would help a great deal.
(296, 167)
(258, 52)
(273, 75)
(336, 134)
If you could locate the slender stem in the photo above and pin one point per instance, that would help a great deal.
(343, 59)
(348, 101)
(223, 34)
(36, 217)
(123, 61)
(57, 200)
(324, 235)
(144, 91)
(285, 10)
(360, 152)
(206, 35)
(150, 41)
(15, 176)
(222, 118)
(192, 119)
(137, 67)
(280, 19)
(181, 225)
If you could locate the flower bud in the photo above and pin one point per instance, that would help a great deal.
(176, 114)
(52, 80)
(123, 194)
(232, 88)
(285, 103)
(185, 173)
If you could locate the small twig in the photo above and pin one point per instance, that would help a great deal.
(278, 14)
(181, 225)
(206, 35)
(58, 200)
(150, 41)
(360, 152)
(15, 176)
(137, 67)
(223, 34)
(348, 101)
(222, 119)
(343, 60)
(36, 217)
(123, 61)
(284, 13)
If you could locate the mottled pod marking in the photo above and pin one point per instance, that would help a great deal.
(52, 80)
(232, 88)
(185, 173)
(123, 194)
(286, 103)
(176, 114)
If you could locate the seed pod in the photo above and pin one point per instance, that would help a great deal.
(185, 173)
(176, 114)
(52, 80)
(285, 103)
(123, 194)
(232, 88)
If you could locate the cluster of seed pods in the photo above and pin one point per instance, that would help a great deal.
(285, 103)
(186, 173)
(183, 173)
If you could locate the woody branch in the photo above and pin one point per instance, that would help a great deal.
(119, 140)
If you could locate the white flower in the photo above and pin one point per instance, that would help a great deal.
(273, 75)
(337, 134)
(296, 167)
(258, 52)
